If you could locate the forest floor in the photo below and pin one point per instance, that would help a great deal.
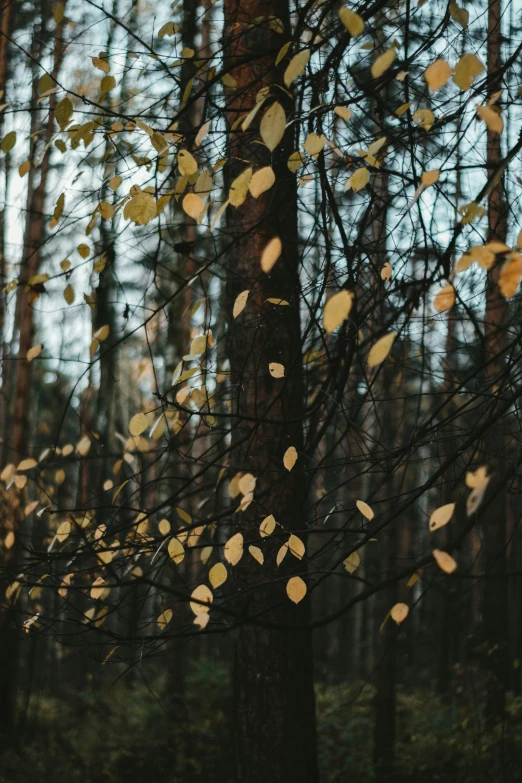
(136, 730)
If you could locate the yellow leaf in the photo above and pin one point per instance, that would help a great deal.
(270, 254)
(198, 345)
(202, 597)
(202, 132)
(64, 112)
(193, 205)
(247, 483)
(276, 370)
(352, 562)
(296, 66)
(467, 70)
(97, 589)
(234, 549)
(402, 109)
(290, 458)
(381, 349)
(358, 180)
(281, 554)
(424, 118)
(314, 144)
(399, 613)
(239, 188)
(492, 118)
(296, 589)
(217, 575)
(445, 299)
(107, 84)
(510, 275)
(240, 303)
(115, 182)
(273, 125)
(336, 310)
(460, 15)
(83, 446)
(33, 352)
(168, 30)
(187, 163)
(352, 21)
(441, 516)
(267, 526)
(27, 464)
(138, 424)
(102, 65)
(164, 527)
(430, 177)
(102, 333)
(383, 62)
(257, 554)
(343, 112)
(24, 168)
(8, 142)
(296, 546)
(437, 74)
(141, 209)
(386, 271)
(295, 161)
(283, 50)
(261, 181)
(164, 618)
(176, 550)
(444, 561)
(365, 509)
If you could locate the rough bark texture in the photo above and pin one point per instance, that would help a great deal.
(274, 698)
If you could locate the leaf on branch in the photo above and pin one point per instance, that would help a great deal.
(381, 349)
(257, 554)
(492, 118)
(467, 70)
(296, 66)
(276, 370)
(176, 550)
(239, 188)
(399, 613)
(352, 21)
(352, 562)
(383, 62)
(234, 549)
(138, 424)
(337, 309)
(261, 181)
(217, 575)
(273, 126)
(296, 589)
(358, 180)
(267, 526)
(510, 276)
(445, 299)
(445, 561)
(290, 458)
(441, 516)
(202, 598)
(437, 75)
(240, 303)
(296, 546)
(33, 352)
(271, 254)
(365, 509)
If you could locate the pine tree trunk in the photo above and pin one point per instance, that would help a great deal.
(273, 673)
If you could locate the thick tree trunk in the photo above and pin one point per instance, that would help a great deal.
(273, 673)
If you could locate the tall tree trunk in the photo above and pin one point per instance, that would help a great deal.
(495, 597)
(273, 672)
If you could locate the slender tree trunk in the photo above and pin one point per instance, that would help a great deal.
(495, 597)
(273, 672)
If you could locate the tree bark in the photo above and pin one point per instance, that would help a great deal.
(273, 672)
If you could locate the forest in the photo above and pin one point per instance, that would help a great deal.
(260, 391)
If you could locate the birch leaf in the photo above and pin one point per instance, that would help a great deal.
(276, 370)
(290, 458)
(365, 509)
(296, 546)
(296, 66)
(352, 562)
(239, 188)
(352, 21)
(202, 597)
(437, 75)
(261, 181)
(358, 180)
(217, 575)
(399, 613)
(271, 254)
(441, 516)
(257, 554)
(467, 70)
(193, 205)
(383, 62)
(267, 526)
(176, 550)
(296, 589)
(445, 299)
(273, 125)
(234, 549)
(240, 303)
(337, 310)
(381, 349)
(33, 352)
(138, 424)
(444, 561)
(492, 118)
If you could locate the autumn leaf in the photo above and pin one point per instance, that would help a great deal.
(441, 516)
(381, 349)
(273, 125)
(234, 549)
(444, 561)
(296, 589)
(240, 303)
(270, 254)
(290, 458)
(399, 613)
(337, 309)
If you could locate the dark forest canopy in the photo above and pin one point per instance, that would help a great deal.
(260, 452)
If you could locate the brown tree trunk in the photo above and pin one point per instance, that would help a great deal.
(273, 672)
(495, 597)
